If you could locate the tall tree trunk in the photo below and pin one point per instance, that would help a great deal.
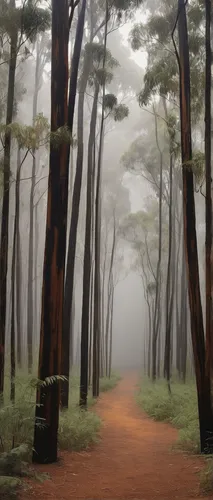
(87, 258)
(110, 279)
(6, 198)
(70, 268)
(47, 408)
(111, 330)
(18, 279)
(13, 285)
(97, 276)
(91, 326)
(208, 198)
(190, 238)
(158, 273)
(30, 301)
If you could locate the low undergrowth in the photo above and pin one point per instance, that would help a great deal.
(179, 409)
(206, 479)
(106, 383)
(78, 429)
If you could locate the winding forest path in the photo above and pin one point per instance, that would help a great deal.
(133, 459)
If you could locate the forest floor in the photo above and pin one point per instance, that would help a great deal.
(133, 460)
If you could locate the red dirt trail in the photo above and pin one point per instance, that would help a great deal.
(133, 459)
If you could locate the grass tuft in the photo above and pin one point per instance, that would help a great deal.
(179, 409)
(78, 429)
(106, 383)
(206, 478)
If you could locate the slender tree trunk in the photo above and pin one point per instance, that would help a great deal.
(18, 279)
(5, 207)
(111, 330)
(47, 408)
(97, 277)
(87, 258)
(110, 278)
(30, 286)
(190, 238)
(208, 198)
(158, 274)
(91, 325)
(69, 281)
(13, 285)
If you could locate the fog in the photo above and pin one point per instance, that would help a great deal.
(129, 190)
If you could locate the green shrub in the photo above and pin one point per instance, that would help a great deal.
(106, 383)
(9, 487)
(78, 429)
(179, 409)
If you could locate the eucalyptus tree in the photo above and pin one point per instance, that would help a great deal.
(42, 56)
(190, 237)
(47, 408)
(19, 24)
(95, 22)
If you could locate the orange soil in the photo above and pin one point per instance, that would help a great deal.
(133, 459)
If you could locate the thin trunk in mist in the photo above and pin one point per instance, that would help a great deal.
(47, 408)
(183, 323)
(87, 257)
(18, 280)
(97, 238)
(12, 329)
(167, 354)
(158, 273)
(6, 197)
(91, 326)
(190, 239)
(208, 197)
(177, 295)
(31, 247)
(109, 294)
(103, 326)
(111, 329)
(70, 268)
(69, 281)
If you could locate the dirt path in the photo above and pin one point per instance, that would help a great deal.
(133, 460)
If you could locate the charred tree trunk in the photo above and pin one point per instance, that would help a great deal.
(190, 239)
(47, 408)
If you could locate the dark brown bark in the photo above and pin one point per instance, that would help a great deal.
(87, 258)
(208, 198)
(190, 239)
(5, 207)
(91, 327)
(47, 408)
(70, 268)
